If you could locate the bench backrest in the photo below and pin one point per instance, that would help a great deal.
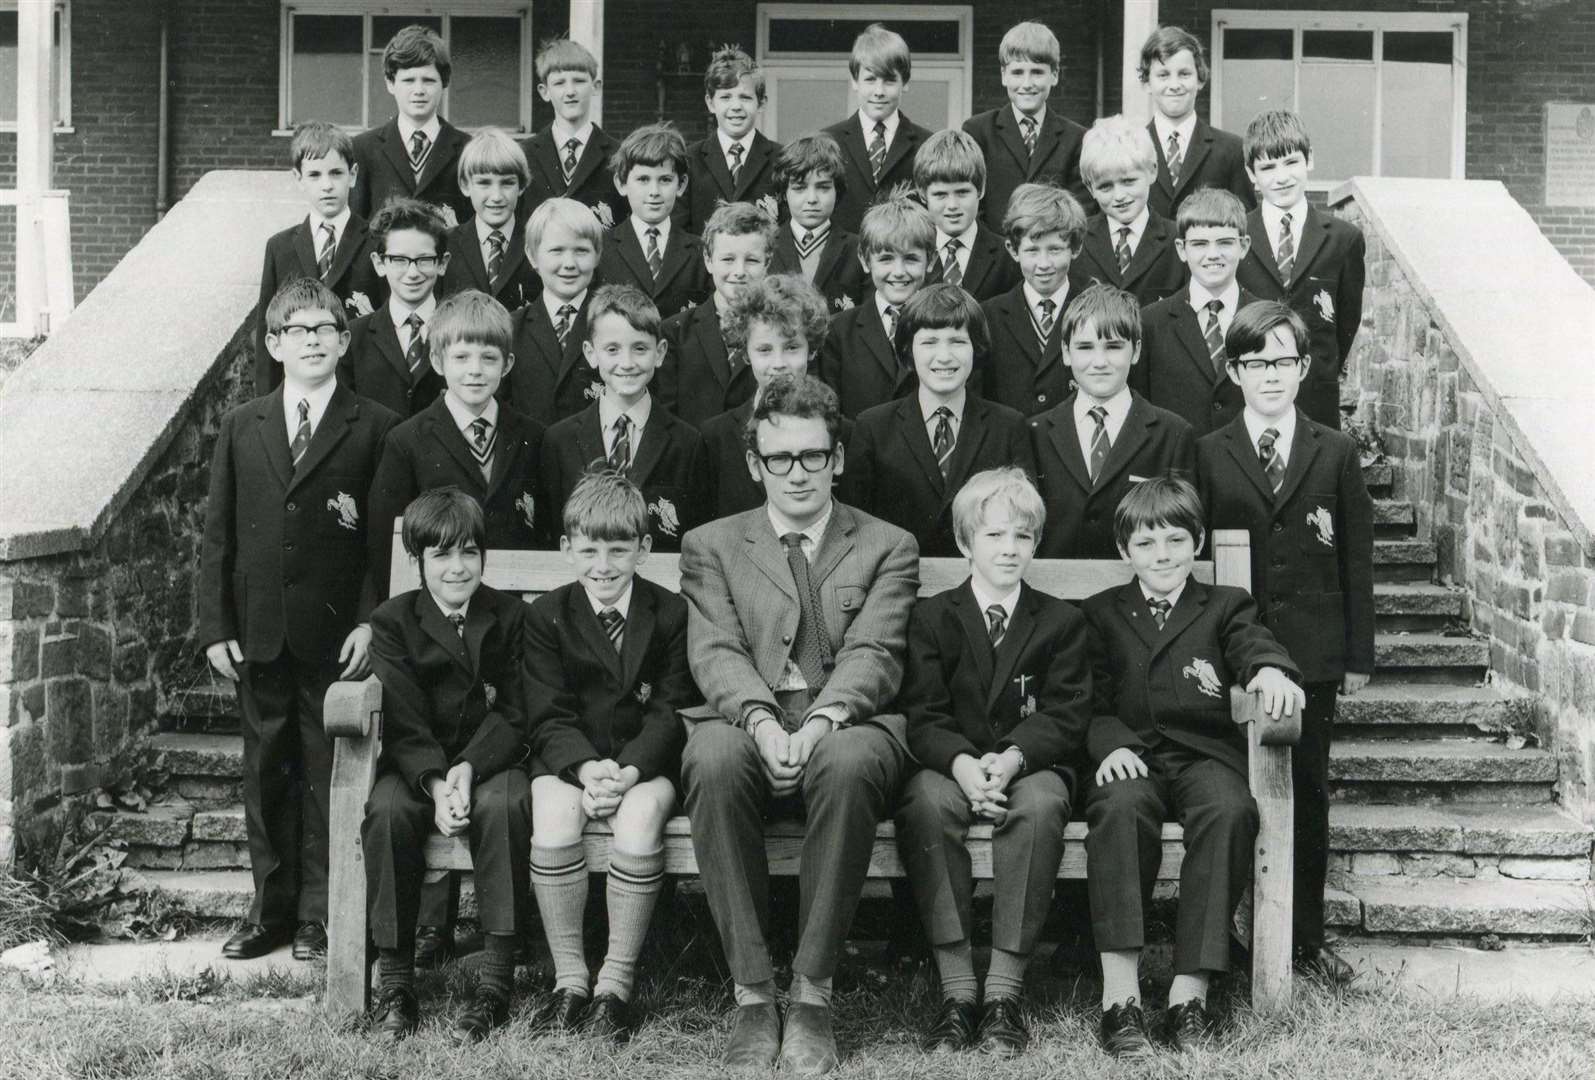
(532, 573)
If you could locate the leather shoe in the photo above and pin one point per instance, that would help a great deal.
(252, 939)
(755, 1038)
(1186, 1025)
(397, 1015)
(310, 941)
(563, 1010)
(434, 947)
(1002, 1028)
(487, 1011)
(1323, 962)
(808, 1043)
(1123, 1031)
(954, 1029)
(608, 1017)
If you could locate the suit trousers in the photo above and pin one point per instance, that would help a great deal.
(393, 836)
(1124, 847)
(846, 789)
(1309, 769)
(933, 819)
(287, 777)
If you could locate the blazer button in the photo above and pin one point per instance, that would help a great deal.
(288, 545)
(292, 507)
(1217, 405)
(1279, 526)
(1042, 398)
(786, 639)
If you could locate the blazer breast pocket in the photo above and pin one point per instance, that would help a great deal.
(1200, 679)
(849, 602)
(1315, 529)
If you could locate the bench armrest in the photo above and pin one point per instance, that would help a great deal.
(1247, 709)
(352, 709)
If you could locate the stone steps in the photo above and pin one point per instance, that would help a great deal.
(1425, 771)
(206, 769)
(201, 709)
(1460, 840)
(1428, 657)
(1393, 518)
(1378, 478)
(1388, 708)
(177, 835)
(1404, 559)
(1416, 606)
(1451, 908)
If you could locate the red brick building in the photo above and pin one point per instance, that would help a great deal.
(1392, 87)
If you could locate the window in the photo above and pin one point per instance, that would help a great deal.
(60, 71)
(803, 49)
(1381, 94)
(332, 61)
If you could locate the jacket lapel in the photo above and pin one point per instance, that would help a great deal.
(465, 248)
(830, 256)
(592, 154)
(1021, 329)
(784, 259)
(478, 621)
(752, 165)
(706, 328)
(631, 252)
(273, 430)
(1099, 245)
(904, 144)
(399, 157)
(766, 553)
(1201, 143)
(590, 434)
(439, 424)
(1262, 248)
(676, 256)
(911, 429)
(835, 544)
(305, 248)
(981, 259)
(1312, 238)
(1193, 598)
(972, 431)
(571, 354)
(505, 450)
(1046, 141)
(350, 244)
(853, 144)
(1164, 180)
(1066, 442)
(1188, 331)
(441, 156)
(545, 159)
(1012, 645)
(1133, 610)
(1240, 446)
(639, 631)
(656, 435)
(342, 410)
(1303, 448)
(592, 632)
(874, 334)
(440, 630)
(1154, 240)
(387, 339)
(714, 162)
(973, 623)
(1133, 434)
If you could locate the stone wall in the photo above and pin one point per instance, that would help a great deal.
(1479, 491)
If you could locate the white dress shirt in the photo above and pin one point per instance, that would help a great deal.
(985, 598)
(554, 303)
(1230, 298)
(463, 417)
(726, 141)
(642, 228)
(965, 243)
(1085, 427)
(1298, 224)
(622, 603)
(609, 412)
(1186, 129)
(1137, 227)
(868, 127)
(928, 406)
(1173, 598)
(400, 313)
(1285, 425)
(339, 223)
(430, 129)
(1058, 299)
(563, 133)
(293, 393)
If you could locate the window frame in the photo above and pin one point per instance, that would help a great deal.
(1379, 23)
(63, 126)
(365, 10)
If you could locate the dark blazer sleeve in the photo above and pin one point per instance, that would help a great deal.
(657, 746)
(553, 712)
(218, 618)
(1355, 510)
(858, 468)
(407, 737)
(1248, 645)
(832, 353)
(500, 739)
(1348, 293)
(391, 491)
(1107, 732)
(264, 364)
(934, 735)
(371, 593)
(1182, 452)
(1021, 450)
(1056, 732)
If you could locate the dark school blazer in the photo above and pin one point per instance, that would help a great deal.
(385, 171)
(428, 451)
(991, 270)
(1056, 160)
(859, 363)
(549, 383)
(592, 184)
(446, 698)
(1018, 372)
(374, 367)
(587, 702)
(283, 560)
(838, 275)
(683, 279)
(697, 379)
(291, 254)
(1214, 158)
(1033, 691)
(1312, 546)
(861, 189)
(1325, 289)
(1176, 371)
(1155, 269)
(518, 283)
(709, 181)
(1149, 684)
(891, 470)
(667, 465)
(1151, 443)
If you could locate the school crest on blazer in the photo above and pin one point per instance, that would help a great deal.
(343, 505)
(528, 508)
(1324, 523)
(664, 512)
(1207, 680)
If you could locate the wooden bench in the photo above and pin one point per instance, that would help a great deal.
(353, 716)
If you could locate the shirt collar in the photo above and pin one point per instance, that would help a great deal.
(1173, 598)
(965, 241)
(399, 311)
(483, 228)
(609, 412)
(564, 133)
(881, 304)
(1285, 425)
(985, 597)
(746, 142)
(798, 231)
(319, 397)
(1033, 298)
(1137, 226)
(431, 129)
(1186, 128)
(642, 232)
(621, 604)
(1118, 406)
(463, 609)
(814, 533)
(339, 223)
(463, 417)
(554, 303)
(1231, 297)
(928, 405)
(1040, 118)
(868, 126)
(1272, 214)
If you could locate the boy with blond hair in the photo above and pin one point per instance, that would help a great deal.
(563, 244)
(490, 247)
(1126, 245)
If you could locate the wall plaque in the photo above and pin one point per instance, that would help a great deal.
(1569, 154)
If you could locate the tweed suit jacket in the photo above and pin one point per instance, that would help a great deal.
(742, 612)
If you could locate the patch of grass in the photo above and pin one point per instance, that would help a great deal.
(25, 914)
(13, 351)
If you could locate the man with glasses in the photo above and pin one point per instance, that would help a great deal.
(798, 616)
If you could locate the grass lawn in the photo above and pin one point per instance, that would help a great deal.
(270, 1028)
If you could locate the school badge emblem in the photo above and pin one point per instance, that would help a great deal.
(767, 204)
(1028, 706)
(449, 215)
(490, 692)
(343, 506)
(359, 303)
(664, 512)
(644, 692)
(1325, 306)
(844, 302)
(605, 216)
(1206, 678)
(1321, 520)
(526, 506)
(593, 391)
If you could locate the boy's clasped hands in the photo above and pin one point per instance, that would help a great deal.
(604, 784)
(984, 781)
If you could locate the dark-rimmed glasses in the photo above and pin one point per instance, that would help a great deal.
(780, 464)
(1257, 366)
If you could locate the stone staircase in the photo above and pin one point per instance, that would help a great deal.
(1439, 828)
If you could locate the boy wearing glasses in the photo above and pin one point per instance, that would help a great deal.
(1296, 486)
(387, 356)
(283, 601)
(1183, 363)
(797, 623)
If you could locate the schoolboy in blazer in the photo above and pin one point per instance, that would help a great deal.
(1103, 333)
(1173, 69)
(283, 596)
(991, 270)
(322, 161)
(415, 154)
(1326, 269)
(733, 92)
(907, 459)
(950, 176)
(879, 67)
(650, 169)
(453, 758)
(1118, 165)
(1311, 524)
(810, 176)
(551, 380)
(1030, 56)
(1183, 367)
(494, 175)
(567, 78)
(997, 692)
(1167, 649)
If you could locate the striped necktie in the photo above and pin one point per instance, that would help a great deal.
(1214, 336)
(1121, 250)
(951, 273)
(458, 619)
(614, 624)
(1176, 157)
(812, 649)
(656, 261)
(996, 625)
(415, 351)
(620, 449)
(1045, 321)
(495, 260)
(562, 325)
(734, 161)
(420, 146)
(1268, 456)
(1027, 131)
(877, 151)
(1100, 443)
(944, 441)
(1160, 610)
(329, 246)
(483, 438)
(301, 440)
(568, 166)
(1285, 254)
(809, 242)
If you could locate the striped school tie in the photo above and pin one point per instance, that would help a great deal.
(1160, 610)
(810, 241)
(620, 449)
(656, 261)
(568, 166)
(329, 246)
(951, 273)
(1100, 443)
(1121, 250)
(483, 438)
(944, 441)
(1176, 157)
(301, 440)
(877, 151)
(495, 261)
(1027, 131)
(562, 325)
(1268, 455)
(1044, 322)
(1214, 336)
(614, 624)
(420, 146)
(996, 624)
(1285, 254)
(734, 161)
(458, 619)
(415, 351)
